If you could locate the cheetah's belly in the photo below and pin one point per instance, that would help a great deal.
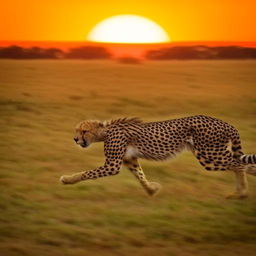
(152, 153)
(131, 152)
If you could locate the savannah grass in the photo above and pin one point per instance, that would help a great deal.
(41, 102)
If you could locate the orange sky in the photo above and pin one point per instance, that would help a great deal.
(184, 20)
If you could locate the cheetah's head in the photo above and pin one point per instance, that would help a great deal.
(87, 132)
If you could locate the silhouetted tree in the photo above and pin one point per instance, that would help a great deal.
(12, 52)
(53, 53)
(234, 52)
(40, 53)
(34, 53)
(129, 60)
(16, 52)
(178, 52)
(88, 52)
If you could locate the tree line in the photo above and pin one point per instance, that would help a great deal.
(85, 52)
(202, 52)
(169, 53)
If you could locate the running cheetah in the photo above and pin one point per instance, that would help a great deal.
(216, 145)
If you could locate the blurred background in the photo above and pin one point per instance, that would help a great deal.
(51, 80)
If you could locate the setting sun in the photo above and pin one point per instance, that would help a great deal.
(128, 29)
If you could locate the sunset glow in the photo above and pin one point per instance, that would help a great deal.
(128, 29)
(183, 21)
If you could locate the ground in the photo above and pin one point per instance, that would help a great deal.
(41, 102)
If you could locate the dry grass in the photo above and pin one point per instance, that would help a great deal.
(40, 103)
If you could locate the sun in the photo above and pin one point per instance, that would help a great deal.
(128, 29)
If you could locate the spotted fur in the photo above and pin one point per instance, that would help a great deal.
(215, 143)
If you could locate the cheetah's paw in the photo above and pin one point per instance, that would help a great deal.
(153, 188)
(237, 196)
(65, 179)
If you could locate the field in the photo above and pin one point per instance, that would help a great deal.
(40, 103)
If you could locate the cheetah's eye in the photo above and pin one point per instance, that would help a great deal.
(84, 131)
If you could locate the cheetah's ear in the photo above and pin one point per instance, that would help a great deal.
(101, 124)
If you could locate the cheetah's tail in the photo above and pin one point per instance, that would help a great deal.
(248, 159)
(238, 154)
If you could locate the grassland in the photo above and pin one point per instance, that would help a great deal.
(41, 101)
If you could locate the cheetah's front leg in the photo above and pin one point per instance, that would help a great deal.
(71, 179)
(133, 165)
(114, 150)
(106, 170)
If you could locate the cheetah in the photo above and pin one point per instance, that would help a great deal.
(215, 143)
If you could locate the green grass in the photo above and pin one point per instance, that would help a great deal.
(40, 103)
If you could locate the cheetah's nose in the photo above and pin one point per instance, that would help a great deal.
(76, 139)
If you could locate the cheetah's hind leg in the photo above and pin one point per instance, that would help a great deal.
(241, 185)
